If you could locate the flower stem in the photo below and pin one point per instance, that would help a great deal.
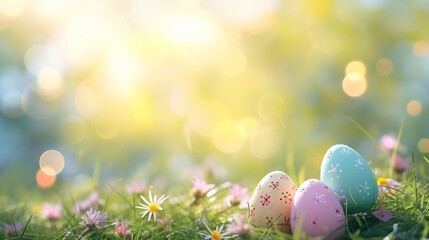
(84, 232)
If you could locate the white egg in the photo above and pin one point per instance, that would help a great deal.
(271, 202)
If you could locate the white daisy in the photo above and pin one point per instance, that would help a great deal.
(152, 206)
(215, 234)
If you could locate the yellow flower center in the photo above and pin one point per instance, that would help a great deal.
(382, 181)
(216, 235)
(153, 207)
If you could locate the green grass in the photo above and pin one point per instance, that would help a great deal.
(409, 206)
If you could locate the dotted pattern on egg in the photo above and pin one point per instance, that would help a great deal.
(271, 201)
(346, 172)
(317, 210)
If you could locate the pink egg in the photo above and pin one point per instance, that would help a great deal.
(317, 211)
(271, 202)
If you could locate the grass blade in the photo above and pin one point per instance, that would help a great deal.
(363, 130)
(25, 228)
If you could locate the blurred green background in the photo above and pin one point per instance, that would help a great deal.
(162, 90)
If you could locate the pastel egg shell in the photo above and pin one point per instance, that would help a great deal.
(271, 202)
(348, 174)
(316, 211)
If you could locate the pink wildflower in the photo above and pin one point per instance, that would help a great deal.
(122, 229)
(385, 185)
(237, 195)
(200, 187)
(93, 201)
(164, 222)
(383, 214)
(52, 212)
(136, 187)
(239, 227)
(93, 218)
(388, 142)
(400, 164)
(12, 229)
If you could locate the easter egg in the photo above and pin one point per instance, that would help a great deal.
(271, 202)
(347, 173)
(316, 211)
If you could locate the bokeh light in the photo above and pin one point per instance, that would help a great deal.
(51, 162)
(271, 106)
(35, 105)
(247, 127)
(384, 66)
(50, 83)
(354, 84)
(205, 116)
(227, 137)
(356, 67)
(414, 108)
(264, 144)
(45, 181)
(106, 127)
(251, 81)
(423, 145)
(421, 48)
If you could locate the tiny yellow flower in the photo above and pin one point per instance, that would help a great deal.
(216, 234)
(382, 181)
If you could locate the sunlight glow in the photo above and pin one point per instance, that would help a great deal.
(191, 29)
(87, 37)
(123, 74)
(51, 8)
(414, 108)
(50, 83)
(232, 62)
(11, 8)
(354, 85)
(86, 101)
(227, 137)
(51, 162)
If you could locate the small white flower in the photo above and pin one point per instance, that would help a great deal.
(152, 206)
(215, 234)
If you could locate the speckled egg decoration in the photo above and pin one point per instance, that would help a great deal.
(316, 211)
(347, 173)
(271, 202)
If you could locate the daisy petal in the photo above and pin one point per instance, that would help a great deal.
(144, 199)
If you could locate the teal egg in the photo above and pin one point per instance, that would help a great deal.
(347, 173)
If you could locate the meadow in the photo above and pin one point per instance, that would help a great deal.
(147, 119)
